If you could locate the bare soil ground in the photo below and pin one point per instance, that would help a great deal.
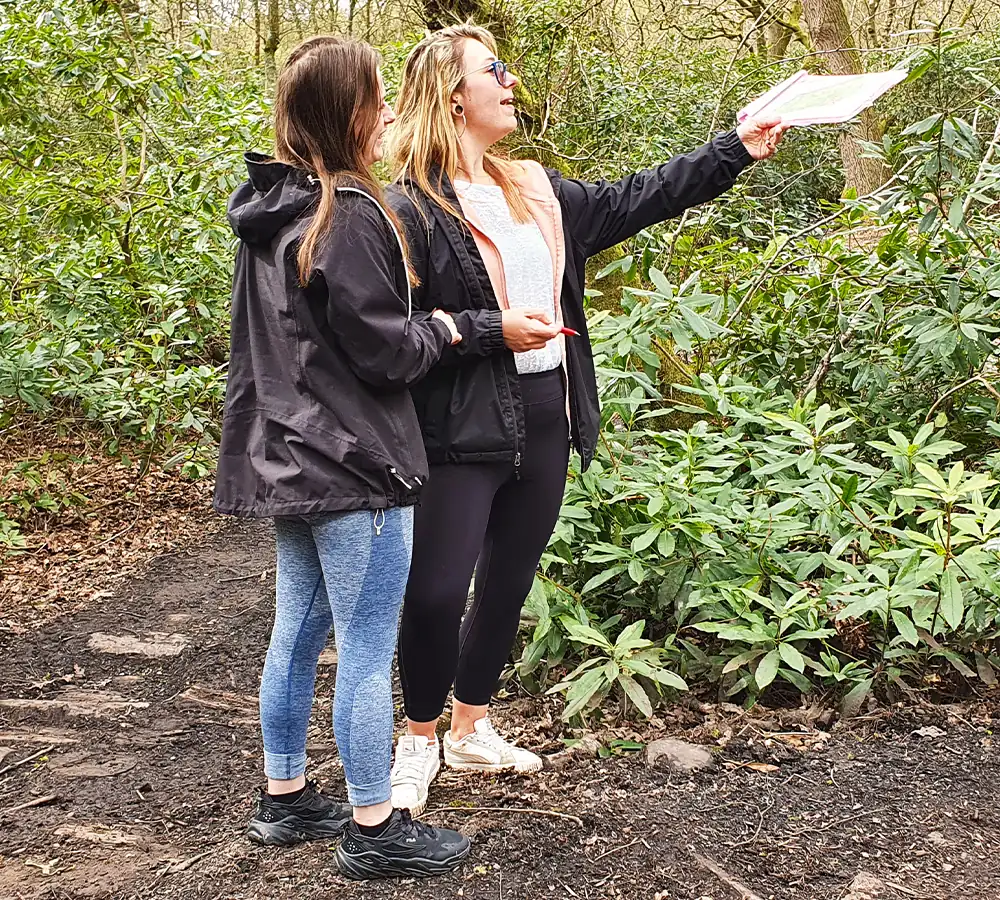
(129, 755)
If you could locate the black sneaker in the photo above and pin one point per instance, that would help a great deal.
(311, 817)
(406, 848)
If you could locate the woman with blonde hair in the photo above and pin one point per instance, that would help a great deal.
(502, 245)
(320, 434)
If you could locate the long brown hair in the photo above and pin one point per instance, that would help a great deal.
(424, 137)
(326, 105)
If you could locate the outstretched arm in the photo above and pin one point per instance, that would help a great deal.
(602, 214)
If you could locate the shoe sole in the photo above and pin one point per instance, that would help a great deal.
(288, 833)
(492, 767)
(367, 866)
(420, 805)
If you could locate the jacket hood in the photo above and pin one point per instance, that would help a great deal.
(274, 195)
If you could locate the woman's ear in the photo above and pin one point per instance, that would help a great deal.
(456, 105)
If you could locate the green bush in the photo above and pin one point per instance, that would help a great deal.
(830, 518)
(117, 153)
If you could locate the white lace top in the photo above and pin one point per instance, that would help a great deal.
(527, 265)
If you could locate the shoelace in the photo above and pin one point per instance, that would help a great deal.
(409, 769)
(489, 737)
(411, 825)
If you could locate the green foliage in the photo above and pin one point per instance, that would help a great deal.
(117, 152)
(831, 519)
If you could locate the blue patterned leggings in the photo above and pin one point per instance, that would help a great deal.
(345, 570)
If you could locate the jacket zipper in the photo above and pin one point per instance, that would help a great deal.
(517, 448)
(506, 380)
(401, 479)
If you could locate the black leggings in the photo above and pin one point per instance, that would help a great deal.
(480, 512)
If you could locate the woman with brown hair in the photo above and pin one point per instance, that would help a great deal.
(503, 244)
(320, 433)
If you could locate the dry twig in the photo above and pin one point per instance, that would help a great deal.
(26, 760)
(38, 801)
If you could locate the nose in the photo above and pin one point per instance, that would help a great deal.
(388, 116)
(511, 79)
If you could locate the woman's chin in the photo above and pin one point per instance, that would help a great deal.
(489, 135)
(505, 127)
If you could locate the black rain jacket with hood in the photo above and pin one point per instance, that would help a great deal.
(318, 414)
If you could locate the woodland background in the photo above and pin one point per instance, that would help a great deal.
(796, 490)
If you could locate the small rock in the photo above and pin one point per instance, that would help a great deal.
(678, 755)
(930, 731)
(866, 887)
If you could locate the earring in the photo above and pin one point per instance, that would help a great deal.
(465, 123)
(459, 109)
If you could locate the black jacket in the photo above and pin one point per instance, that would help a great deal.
(470, 405)
(318, 416)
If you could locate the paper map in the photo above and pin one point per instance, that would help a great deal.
(806, 99)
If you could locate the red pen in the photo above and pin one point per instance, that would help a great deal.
(569, 331)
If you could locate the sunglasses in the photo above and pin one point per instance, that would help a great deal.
(499, 69)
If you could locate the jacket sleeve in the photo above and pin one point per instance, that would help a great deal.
(606, 213)
(481, 329)
(482, 335)
(361, 268)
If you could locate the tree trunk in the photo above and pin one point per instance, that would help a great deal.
(170, 22)
(256, 32)
(271, 44)
(832, 37)
(441, 13)
(873, 11)
(890, 20)
(783, 29)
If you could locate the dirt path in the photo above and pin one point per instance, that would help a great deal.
(150, 759)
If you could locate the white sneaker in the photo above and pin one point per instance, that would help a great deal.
(485, 751)
(414, 768)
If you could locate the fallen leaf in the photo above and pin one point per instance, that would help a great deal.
(100, 834)
(47, 868)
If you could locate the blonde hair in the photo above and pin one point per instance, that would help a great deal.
(424, 137)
